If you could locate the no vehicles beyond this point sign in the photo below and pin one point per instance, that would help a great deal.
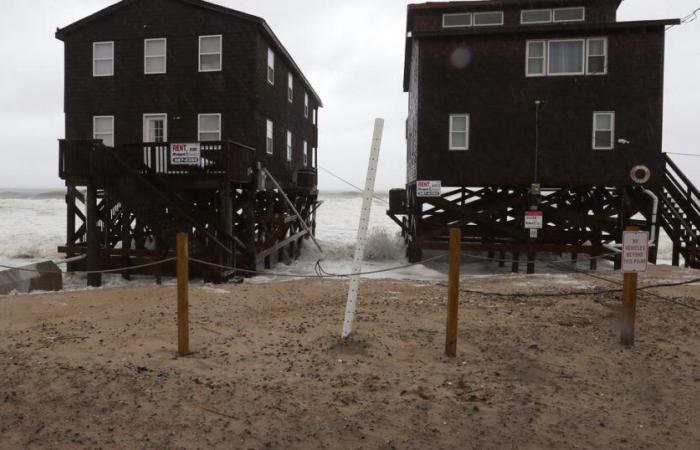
(635, 251)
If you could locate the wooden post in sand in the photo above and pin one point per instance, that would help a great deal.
(453, 291)
(183, 314)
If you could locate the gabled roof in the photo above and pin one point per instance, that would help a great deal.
(62, 33)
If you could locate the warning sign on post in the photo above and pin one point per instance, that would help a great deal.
(185, 154)
(635, 251)
(429, 188)
(534, 220)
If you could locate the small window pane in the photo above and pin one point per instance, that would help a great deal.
(209, 123)
(536, 49)
(210, 62)
(603, 139)
(566, 57)
(459, 140)
(155, 47)
(459, 123)
(488, 18)
(456, 20)
(596, 64)
(569, 14)
(103, 125)
(535, 66)
(536, 16)
(596, 47)
(210, 44)
(105, 67)
(603, 122)
(104, 50)
(155, 64)
(208, 137)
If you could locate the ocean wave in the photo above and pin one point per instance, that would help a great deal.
(32, 195)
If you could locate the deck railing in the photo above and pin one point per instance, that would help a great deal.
(82, 159)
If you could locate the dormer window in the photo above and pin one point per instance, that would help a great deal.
(482, 19)
(556, 15)
(290, 88)
(270, 66)
(456, 20)
(569, 14)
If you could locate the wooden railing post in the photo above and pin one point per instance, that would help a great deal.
(453, 292)
(183, 325)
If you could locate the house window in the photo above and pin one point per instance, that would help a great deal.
(306, 105)
(209, 127)
(536, 58)
(565, 57)
(459, 132)
(154, 60)
(103, 129)
(603, 130)
(155, 127)
(577, 14)
(530, 16)
(270, 66)
(306, 154)
(456, 20)
(290, 88)
(289, 146)
(210, 53)
(315, 114)
(597, 56)
(270, 141)
(103, 59)
(488, 18)
(313, 157)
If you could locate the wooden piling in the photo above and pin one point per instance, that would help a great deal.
(453, 292)
(183, 326)
(629, 304)
(93, 238)
(515, 267)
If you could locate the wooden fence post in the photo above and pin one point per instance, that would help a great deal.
(453, 292)
(629, 304)
(183, 319)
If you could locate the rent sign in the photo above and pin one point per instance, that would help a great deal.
(429, 188)
(185, 154)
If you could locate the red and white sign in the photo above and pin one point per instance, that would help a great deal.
(534, 220)
(429, 188)
(635, 251)
(185, 154)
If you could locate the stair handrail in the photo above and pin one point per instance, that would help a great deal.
(679, 174)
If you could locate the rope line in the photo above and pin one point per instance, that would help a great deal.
(91, 272)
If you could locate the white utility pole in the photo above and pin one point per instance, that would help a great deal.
(362, 231)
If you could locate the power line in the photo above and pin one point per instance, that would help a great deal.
(692, 17)
(351, 185)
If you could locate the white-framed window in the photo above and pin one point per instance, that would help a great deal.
(103, 59)
(531, 16)
(603, 130)
(313, 157)
(306, 154)
(209, 127)
(210, 51)
(155, 128)
(290, 88)
(270, 66)
(103, 129)
(315, 114)
(566, 57)
(597, 56)
(459, 132)
(270, 138)
(155, 58)
(536, 65)
(456, 20)
(482, 19)
(289, 146)
(576, 14)
(306, 105)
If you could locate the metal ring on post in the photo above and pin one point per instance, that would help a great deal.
(640, 174)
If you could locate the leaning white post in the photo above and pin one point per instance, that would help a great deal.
(364, 225)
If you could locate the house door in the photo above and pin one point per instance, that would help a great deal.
(155, 128)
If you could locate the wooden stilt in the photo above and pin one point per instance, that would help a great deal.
(183, 320)
(515, 267)
(453, 293)
(93, 238)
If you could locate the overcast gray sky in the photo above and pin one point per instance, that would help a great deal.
(351, 51)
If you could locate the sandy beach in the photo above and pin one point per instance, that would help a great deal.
(98, 369)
